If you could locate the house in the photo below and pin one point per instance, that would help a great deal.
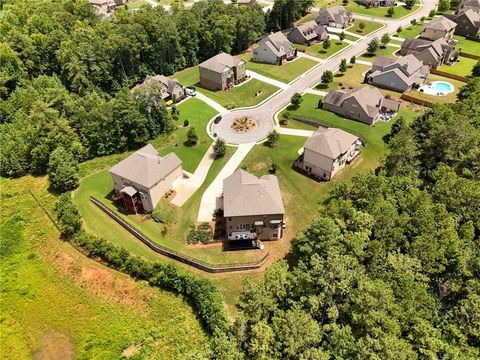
(431, 53)
(365, 104)
(104, 7)
(398, 74)
(336, 17)
(143, 178)
(376, 3)
(274, 48)
(308, 33)
(221, 72)
(328, 151)
(468, 22)
(169, 89)
(470, 4)
(253, 207)
(439, 27)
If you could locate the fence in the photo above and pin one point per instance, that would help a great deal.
(448, 75)
(416, 100)
(470, 56)
(176, 255)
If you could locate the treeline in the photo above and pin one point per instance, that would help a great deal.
(199, 292)
(390, 269)
(65, 74)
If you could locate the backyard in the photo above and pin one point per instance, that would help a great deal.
(463, 67)
(449, 98)
(468, 46)
(317, 49)
(243, 95)
(286, 72)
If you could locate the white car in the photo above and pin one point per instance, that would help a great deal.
(190, 91)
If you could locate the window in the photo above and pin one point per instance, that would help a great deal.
(275, 235)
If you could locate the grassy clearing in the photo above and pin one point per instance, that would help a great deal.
(56, 303)
(381, 12)
(387, 51)
(318, 51)
(449, 98)
(370, 26)
(198, 114)
(240, 96)
(286, 72)
(468, 46)
(412, 31)
(463, 67)
(134, 5)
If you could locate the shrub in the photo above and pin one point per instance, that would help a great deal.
(413, 21)
(62, 170)
(296, 100)
(432, 13)
(219, 148)
(327, 77)
(203, 235)
(186, 123)
(373, 46)
(192, 137)
(353, 60)
(273, 168)
(326, 44)
(361, 26)
(320, 104)
(67, 214)
(343, 66)
(399, 30)
(272, 138)
(385, 39)
(285, 117)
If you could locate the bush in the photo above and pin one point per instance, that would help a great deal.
(62, 170)
(432, 13)
(413, 21)
(203, 234)
(192, 137)
(361, 26)
(343, 66)
(391, 11)
(327, 77)
(67, 214)
(373, 46)
(186, 123)
(272, 138)
(273, 168)
(296, 100)
(353, 60)
(320, 104)
(219, 148)
(399, 30)
(285, 117)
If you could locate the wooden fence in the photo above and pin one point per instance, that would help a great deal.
(470, 56)
(449, 75)
(416, 100)
(176, 255)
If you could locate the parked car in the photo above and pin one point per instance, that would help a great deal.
(190, 91)
(217, 119)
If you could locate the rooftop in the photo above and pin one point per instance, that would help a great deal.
(330, 142)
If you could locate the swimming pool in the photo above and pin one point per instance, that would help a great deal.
(437, 88)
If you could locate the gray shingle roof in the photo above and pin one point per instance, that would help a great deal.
(145, 167)
(246, 195)
(330, 142)
(310, 30)
(279, 43)
(440, 23)
(220, 62)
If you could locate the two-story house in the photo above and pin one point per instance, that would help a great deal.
(336, 17)
(308, 33)
(221, 71)
(275, 49)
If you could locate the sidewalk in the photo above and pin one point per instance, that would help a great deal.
(215, 189)
(311, 57)
(294, 132)
(316, 92)
(266, 79)
(212, 103)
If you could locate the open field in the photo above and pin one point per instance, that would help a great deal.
(56, 303)
(198, 114)
(387, 51)
(449, 98)
(463, 67)
(381, 12)
(137, 4)
(370, 26)
(240, 96)
(468, 46)
(286, 72)
(318, 51)
(412, 31)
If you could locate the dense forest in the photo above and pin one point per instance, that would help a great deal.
(390, 268)
(65, 74)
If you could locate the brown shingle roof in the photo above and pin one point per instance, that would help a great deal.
(330, 142)
(440, 23)
(220, 62)
(246, 195)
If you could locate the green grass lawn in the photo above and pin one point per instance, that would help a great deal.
(381, 12)
(137, 4)
(351, 37)
(468, 46)
(463, 67)
(387, 51)
(239, 96)
(318, 51)
(370, 26)
(300, 193)
(286, 72)
(449, 98)
(56, 303)
(412, 31)
(198, 114)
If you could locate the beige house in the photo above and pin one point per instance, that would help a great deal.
(143, 178)
(221, 72)
(336, 17)
(253, 207)
(400, 74)
(308, 33)
(328, 151)
(169, 89)
(431, 53)
(365, 104)
(104, 7)
(275, 49)
(439, 27)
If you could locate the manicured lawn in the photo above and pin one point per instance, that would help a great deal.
(468, 46)
(137, 4)
(351, 37)
(300, 193)
(400, 11)
(370, 26)
(56, 303)
(412, 31)
(463, 67)
(286, 72)
(449, 98)
(198, 114)
(318, 51)
(387, 51)
(240, 96)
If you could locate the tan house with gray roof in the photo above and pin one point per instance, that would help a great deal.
(439, 27)
(336, 17)
(308, 33)
(253, 207)
(275, 49)
(328, 151)
(169, 89)
(221, 72)
(143, 178)
(468, 21)
(399, 74)
(431, 53)
(364, 104)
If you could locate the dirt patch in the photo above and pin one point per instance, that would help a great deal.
(132, 350)
(260, 166)
(54, 345)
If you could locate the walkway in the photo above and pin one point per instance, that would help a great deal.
(316, 92)
(212, 103)
(209, 199)
(294, 132)
(333, 30)
(266, 79)
(311, 57)
(186, 187)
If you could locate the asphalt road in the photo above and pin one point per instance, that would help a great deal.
(264, 113)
